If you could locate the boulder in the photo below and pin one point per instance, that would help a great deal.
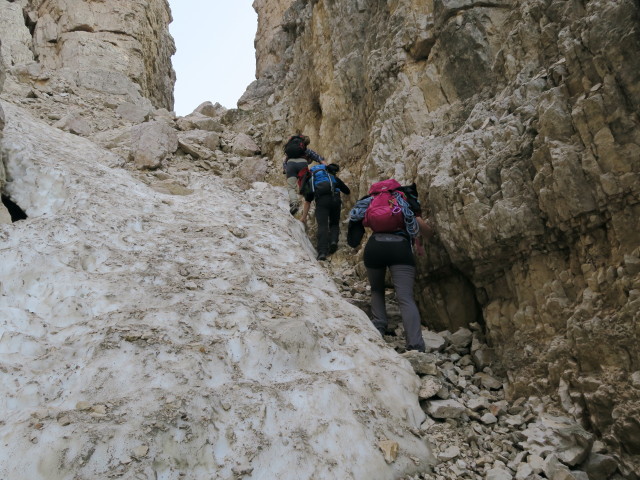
(243, 145)
(151, 143)
(210, 110)
(433, 341)
(253, 170)
(445, 409)
(198, 121)
(599, 467)
(133, 113)
(74, 123)
(562, 437)
(198, 143)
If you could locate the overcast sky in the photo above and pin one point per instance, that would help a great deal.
(215, 58)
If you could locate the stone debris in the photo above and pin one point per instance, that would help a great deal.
(430, 386)
(64, 420)
(99, 410)
(444, 409)
(83, 406)
(476, 432)
(140, 451)
(390, 450)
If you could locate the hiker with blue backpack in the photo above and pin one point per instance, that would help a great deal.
(392, 212)
(324, 187)
(296, 163)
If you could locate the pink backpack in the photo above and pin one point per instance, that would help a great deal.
(384, 214)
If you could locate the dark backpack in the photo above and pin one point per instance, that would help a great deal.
(295, 147)
(384, 213)
(321, 181)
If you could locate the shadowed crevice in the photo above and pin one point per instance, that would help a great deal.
(14, 209)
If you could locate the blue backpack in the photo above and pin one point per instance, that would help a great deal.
(319, 181)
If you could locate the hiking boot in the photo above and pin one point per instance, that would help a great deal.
(293, 208)
(333, 248)
(416, 348)
(322, 256)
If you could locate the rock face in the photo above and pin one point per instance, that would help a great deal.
(105, 49)
(271, 38)
(518, 121)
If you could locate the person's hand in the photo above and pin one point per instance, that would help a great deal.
(303, 219)
(426, 228)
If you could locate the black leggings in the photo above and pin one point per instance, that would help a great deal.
(386, 249)
(328, 219)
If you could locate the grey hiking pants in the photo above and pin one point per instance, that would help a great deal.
(294, 165)
(377, 254)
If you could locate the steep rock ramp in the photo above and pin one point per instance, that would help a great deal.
(180, 336)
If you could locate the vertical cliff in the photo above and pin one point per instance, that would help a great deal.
(92, 49)
(519, 122)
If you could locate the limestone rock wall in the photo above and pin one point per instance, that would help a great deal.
(519, 122)
(120, 51)
(271, 38)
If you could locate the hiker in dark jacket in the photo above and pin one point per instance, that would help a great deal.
(293, 165)
(328, 208)
(392, 250)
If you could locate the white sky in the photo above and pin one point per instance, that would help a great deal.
(215, 58)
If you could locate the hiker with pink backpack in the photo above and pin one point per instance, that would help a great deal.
(393, 214)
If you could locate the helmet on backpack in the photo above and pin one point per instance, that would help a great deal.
(333, 168)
